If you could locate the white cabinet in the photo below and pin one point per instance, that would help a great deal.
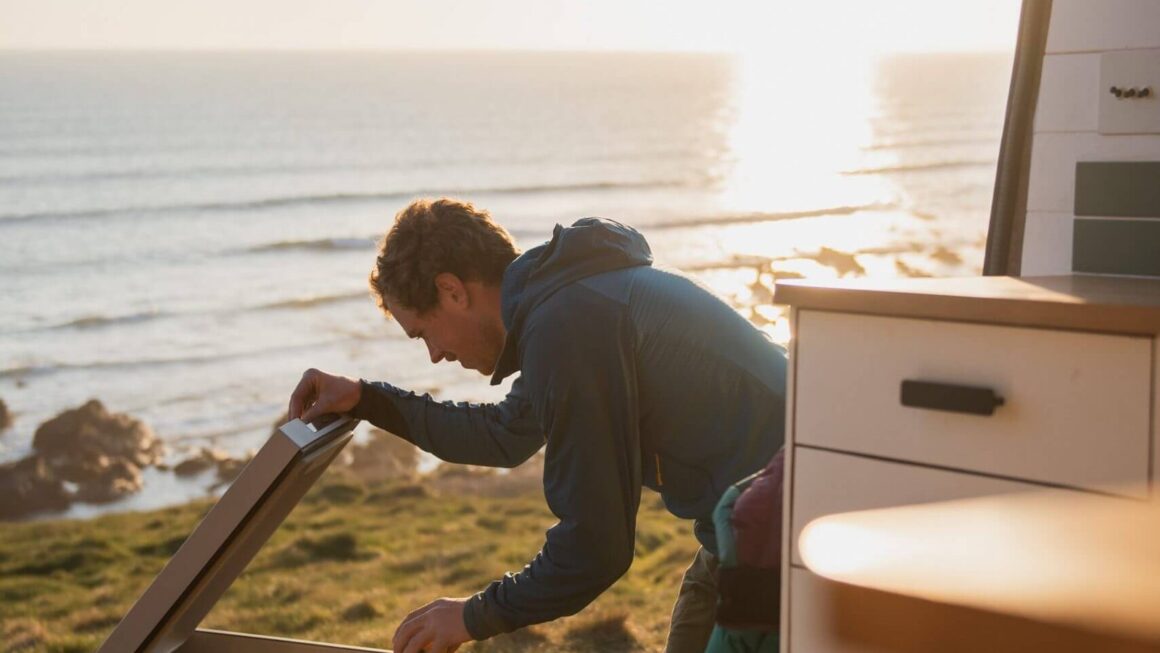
(1075, 412)
(1070, 363)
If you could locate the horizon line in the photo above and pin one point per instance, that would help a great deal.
(430, 50)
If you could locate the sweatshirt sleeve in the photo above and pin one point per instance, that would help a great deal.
(496, 435)
(583, 389)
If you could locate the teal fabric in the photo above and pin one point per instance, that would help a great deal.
(726, 545)
(736, 640)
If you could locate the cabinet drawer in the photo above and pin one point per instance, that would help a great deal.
(825, 483)
(1076, 411)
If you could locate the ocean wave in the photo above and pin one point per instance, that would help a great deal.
(330, 198)
(319, 245)
(94, 322)
(924, 167)
(175, 173)
(53, 367)
(88, 322)
(309, 302)
(905, 144)
(97, 321)
(758, 216)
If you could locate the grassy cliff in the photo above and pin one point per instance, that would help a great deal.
(348, 564)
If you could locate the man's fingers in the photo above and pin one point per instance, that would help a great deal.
(425, 642)
(408, 637)
(404, 632)
(304, 394)
(422, 642)
(294, 410)
(310, 414)
(434, 628)
(411, 620)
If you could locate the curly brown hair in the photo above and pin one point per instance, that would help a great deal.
(430, 237)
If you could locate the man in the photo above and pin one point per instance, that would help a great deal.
(631, 375)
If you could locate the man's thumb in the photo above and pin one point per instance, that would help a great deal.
(310, 413)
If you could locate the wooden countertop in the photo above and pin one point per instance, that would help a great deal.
(1088, 562)
(1128, 305)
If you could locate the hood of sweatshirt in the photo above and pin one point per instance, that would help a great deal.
(590, 246)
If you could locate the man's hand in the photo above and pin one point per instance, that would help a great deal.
(319, 393)
(434, 628)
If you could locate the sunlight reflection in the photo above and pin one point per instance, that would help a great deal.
(837, 550)
(796, 129)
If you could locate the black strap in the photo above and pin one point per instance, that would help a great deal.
(750, 597)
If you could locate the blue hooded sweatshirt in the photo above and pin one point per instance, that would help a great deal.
(633, 376)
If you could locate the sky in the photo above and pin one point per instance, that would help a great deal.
(852, 26)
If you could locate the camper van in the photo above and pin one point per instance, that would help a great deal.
(970, 461)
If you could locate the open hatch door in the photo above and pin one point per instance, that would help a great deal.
(166, 617)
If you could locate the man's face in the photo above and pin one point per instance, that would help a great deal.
(461, 327)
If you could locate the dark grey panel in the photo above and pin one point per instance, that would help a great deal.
(1116, 247)
(1122, 189)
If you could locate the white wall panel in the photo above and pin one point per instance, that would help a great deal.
(1053, 159)
(1047, 240)
(1095, 25)
(1069, 93)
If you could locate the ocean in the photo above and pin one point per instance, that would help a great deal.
(182, 234)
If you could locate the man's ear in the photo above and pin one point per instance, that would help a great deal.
(451, 289)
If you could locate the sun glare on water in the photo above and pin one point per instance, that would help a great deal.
(797, 128)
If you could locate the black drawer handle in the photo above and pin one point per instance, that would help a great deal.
(946, 396)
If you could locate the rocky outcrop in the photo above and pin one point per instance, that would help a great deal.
(102, 453)
(91, 430)
(202, 459)
(383, 456)
(30, 485)
(205, 458)
(228, 470)
(83, 454)
(102, 478)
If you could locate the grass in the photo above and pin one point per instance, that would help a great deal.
(347, 565)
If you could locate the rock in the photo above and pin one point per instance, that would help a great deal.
(5, 416)
(93, 430)
(28, 486)
(102, 453)
(842, 262)
(228, 470)
(383, 456)
(191, 466)
(202, 460)
(944, 255)
(908, 271)
(205, 458)
(113, 480)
